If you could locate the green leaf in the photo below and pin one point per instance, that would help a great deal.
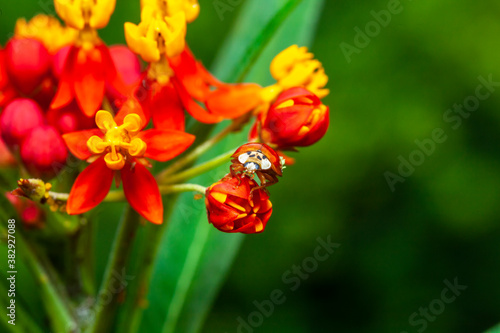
(495, 329)
(194, 257)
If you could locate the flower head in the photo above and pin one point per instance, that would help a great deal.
(232, 208)
(120, 146)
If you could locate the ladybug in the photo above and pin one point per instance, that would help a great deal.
(257, 159)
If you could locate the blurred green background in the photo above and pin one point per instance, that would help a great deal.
(396, 247)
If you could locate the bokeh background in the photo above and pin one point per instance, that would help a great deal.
(396, 247)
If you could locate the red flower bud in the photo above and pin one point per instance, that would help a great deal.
(296, 119)
(18, 119)
(27, 62)
(43, 152)
(231, 207)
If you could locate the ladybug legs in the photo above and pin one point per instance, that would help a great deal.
(266, 180)
(236, 170)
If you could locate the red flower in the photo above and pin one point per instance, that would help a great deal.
(296, 119)
(231, 208)
(120, 147)
(84, 76)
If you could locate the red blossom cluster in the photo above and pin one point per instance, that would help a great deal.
(63, 90)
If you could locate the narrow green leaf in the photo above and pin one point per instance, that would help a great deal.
(495, 329)
(194, 257)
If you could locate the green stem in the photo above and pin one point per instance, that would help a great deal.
(55, 300)
(84, 257)
(200, 169)
(114, 281)
(114, 196)
(134, 307)
(162, 177)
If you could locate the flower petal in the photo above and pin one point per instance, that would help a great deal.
(77, 142)
(193, 108)
(90, 187)
(233, 186)
(232, 101)
(163, 145)
(166, 108)
(89, 80)
(65, 92)
(131, 105)
(142, 192)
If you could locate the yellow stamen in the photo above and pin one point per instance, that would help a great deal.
(119, 141)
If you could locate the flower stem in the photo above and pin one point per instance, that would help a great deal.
(137, 302)
(114, 196)
(162, 177)
(109, 291)
(200, 169)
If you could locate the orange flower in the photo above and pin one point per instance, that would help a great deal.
(194, 84)
(88, 66)
(231, 208)
(119, 146)
(296, 119)
(175, 80)
(85, 74)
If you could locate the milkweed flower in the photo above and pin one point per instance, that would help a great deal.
(296, 119)
(232, 208)
(88, 66)
(120, 148)
(175, 80)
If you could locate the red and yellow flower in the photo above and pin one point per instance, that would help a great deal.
(120, 148)
(233, 207)
(296, 119)
(175, 79)
(88, 66)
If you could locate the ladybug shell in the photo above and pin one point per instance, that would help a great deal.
(266, 150)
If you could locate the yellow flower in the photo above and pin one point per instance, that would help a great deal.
(80, 13)
(156, 34)
(296, 67)
(47, 30)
